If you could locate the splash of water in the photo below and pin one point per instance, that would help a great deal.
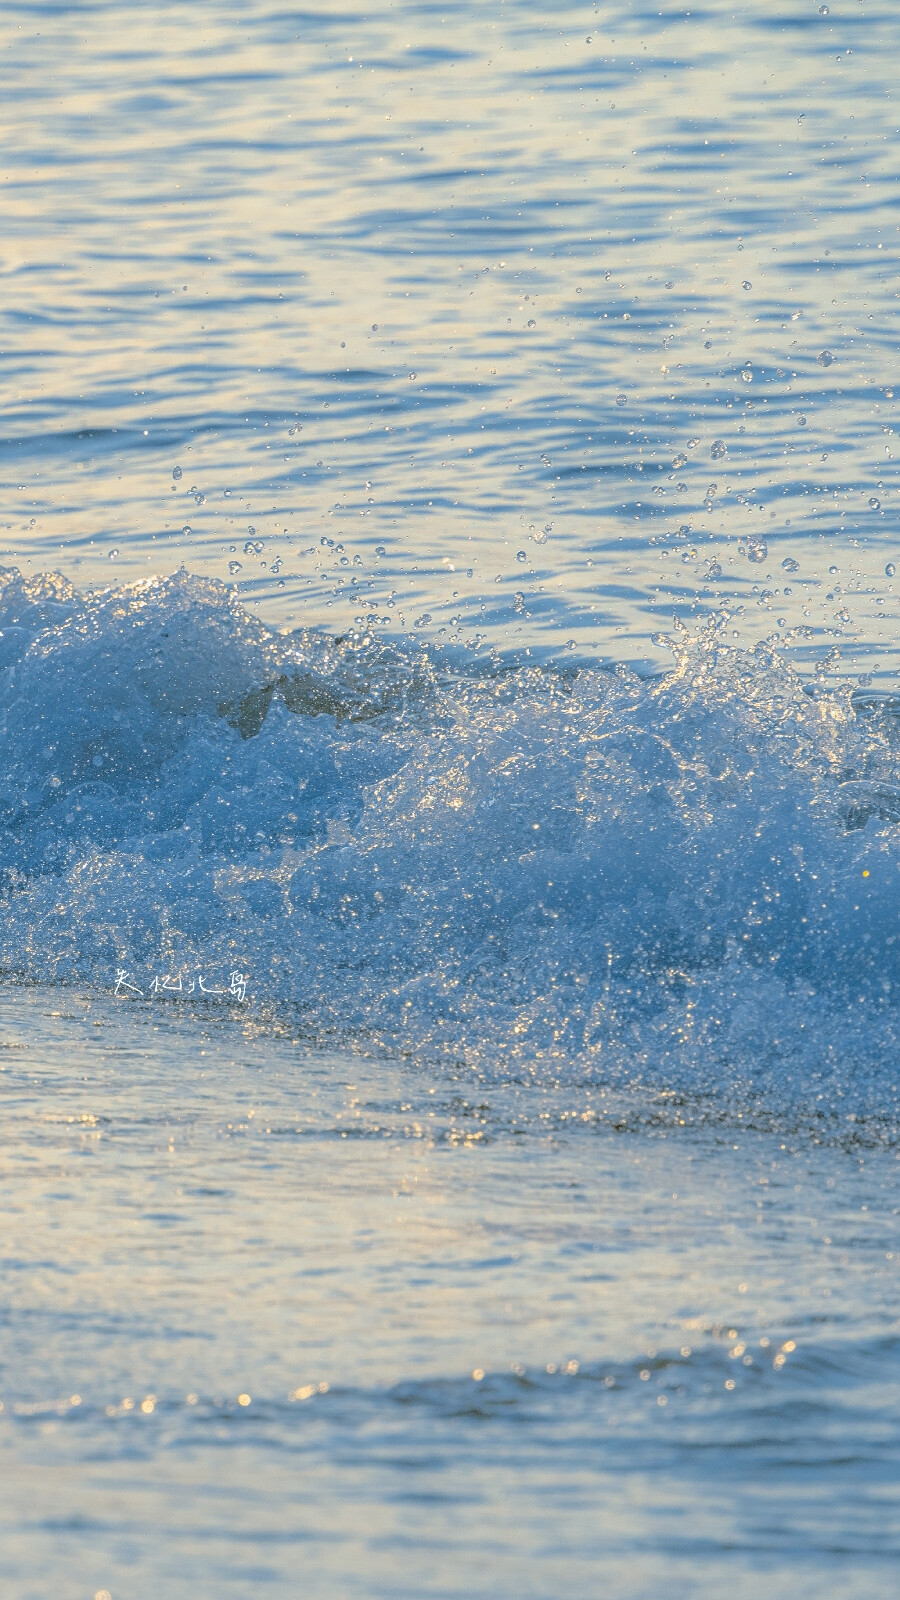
(691, 879)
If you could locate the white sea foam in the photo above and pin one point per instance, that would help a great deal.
(690, 880)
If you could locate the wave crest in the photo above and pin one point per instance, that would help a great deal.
(691, 878)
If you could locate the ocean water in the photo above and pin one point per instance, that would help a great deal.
(449, 802)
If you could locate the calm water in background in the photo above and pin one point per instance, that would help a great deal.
(531, 1229)
(432, 280)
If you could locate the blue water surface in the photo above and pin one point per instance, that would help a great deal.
(449, 801)
(555, 322)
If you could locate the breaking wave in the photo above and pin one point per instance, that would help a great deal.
(690, 880)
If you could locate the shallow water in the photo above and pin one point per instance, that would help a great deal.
(449, 802)
(490, 1338)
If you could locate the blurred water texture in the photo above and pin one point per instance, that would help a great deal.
(498, 324)
(277, 1322)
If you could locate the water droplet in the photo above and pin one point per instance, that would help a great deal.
(874, 504)
(823, 11)
(801, 422)
(825, 358)
(746, 376)
(679, 461)
(187, 530)
(757, 550)
(177, 473)
(113, 554)
(719, 449)
(890, 570)
(380, 550)
(374, 327)
(234, 566)
(790, 565)
(413, 375)
(521, 556)
(670, 285)
(707, 344)
(746, 284)
(693, 443)
(834, 571)
(531, 323)
(621, 399)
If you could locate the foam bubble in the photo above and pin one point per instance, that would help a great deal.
(690, 880)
